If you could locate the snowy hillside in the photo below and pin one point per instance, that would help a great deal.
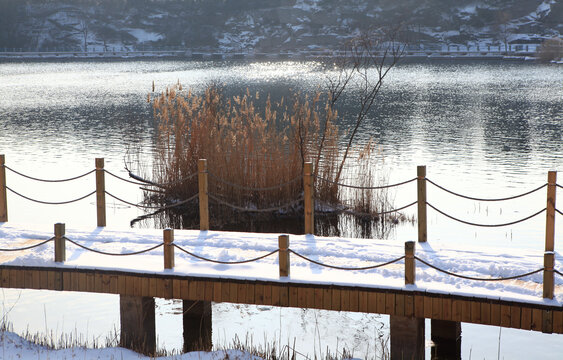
(269, 25)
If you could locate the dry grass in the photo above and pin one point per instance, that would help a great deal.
(255, 149)
(551, 49)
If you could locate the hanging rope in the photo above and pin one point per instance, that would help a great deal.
(241, 187)
(29, 247)
(48, 180)
(486, 225)
(113, 254)
(477, 278)
(482, 199)
(126, 180)
(364, 187)
(346, 268)
(226, 262)
(153, 206)
(51, 203)
(160, 185)
(558, 272)
(559, 211)
(239, 208)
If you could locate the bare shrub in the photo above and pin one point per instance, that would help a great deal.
(550, 50)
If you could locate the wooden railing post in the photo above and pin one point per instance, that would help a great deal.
(203, 199)
(410, 269)
(548, 263)
(283, 244)
(550, 217)
(100, 192)
(308, 198)
(168, 248)
(421, 186)
(3, 197)
(60, 251)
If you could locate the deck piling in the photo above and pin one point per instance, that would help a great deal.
(3, 197)
(138, 331)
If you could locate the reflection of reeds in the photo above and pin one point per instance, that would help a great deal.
(254, 149)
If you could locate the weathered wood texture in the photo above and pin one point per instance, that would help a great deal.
(3, 196)
(329, 297)
(203, 197)
(421, 198)
(100, 192)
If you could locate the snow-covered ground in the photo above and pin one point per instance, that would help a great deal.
(458, 257)
(13, 346)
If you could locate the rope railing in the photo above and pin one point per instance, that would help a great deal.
(486, 199)
(244, 209)
(191, 198)
(113, 254)
(28, 247)
(343, 267)
(558, 272)
(249, 188)
(48, 180)
(478, 278)
(350, 211)
(160, 185)
(485, 225)
(127, 180)
(559, 186)
(51, 202)
(559, 211)
(364, 187)
(225, 262)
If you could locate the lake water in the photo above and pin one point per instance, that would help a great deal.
(487, 129)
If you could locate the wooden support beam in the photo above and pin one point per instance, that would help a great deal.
(203, 198)
(197, 325)
(138, 324)
(407, 337)
(100, 192)
(308, 201)
(168, 248)
(3, 195)
(421, 191)
(60, 252)
(446, 338)
(283, 254)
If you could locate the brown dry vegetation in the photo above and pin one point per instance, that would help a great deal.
(255, 149)
(551, 49)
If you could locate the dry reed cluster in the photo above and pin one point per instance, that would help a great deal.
(247, 148)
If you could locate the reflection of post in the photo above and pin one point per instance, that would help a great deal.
(203, 199)
(3, 198)
(197, 325)
(100, 192)
(421, 186)
(446, 336)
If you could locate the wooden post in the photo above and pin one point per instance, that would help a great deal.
(138, 330)
(3, 197)
(548, 263)
(410, 269)
(100, 192)
(407, 337)
(168, 248)
(60, 252)
(550, 217)
(446, 339)
(197, 322)
(283, 243)
(421, 186)
(308, 198)
(203, 199)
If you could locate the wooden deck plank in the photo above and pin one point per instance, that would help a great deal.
(409, 305)
(390, 303)
(302, 297)
(515, 316)
(505, 315)
(276, 295)
(225, 292)
(233, 292)
(466, 311)
(372, 302)
(456, 310)
(268, 294)
(547, 321)
(486, 312)
(345, 300)
(200, 290)
(354, 300)
(427, 307)
(336, 299)
(327, 298)
(259, 294)
(363, 301)
(419, 306)
(380, 297)
(495, 314)
(526, 318)
(284, 295)
(558, 322)
(447, 309)
(293, 296)
(250, 293)
(318, 298)
(536, 319)
(217, 291)
(399, 305)
(177, 288)
(476, 312)
(437, 308)
(208, 291)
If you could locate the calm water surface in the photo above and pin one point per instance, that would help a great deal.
(485, 129)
